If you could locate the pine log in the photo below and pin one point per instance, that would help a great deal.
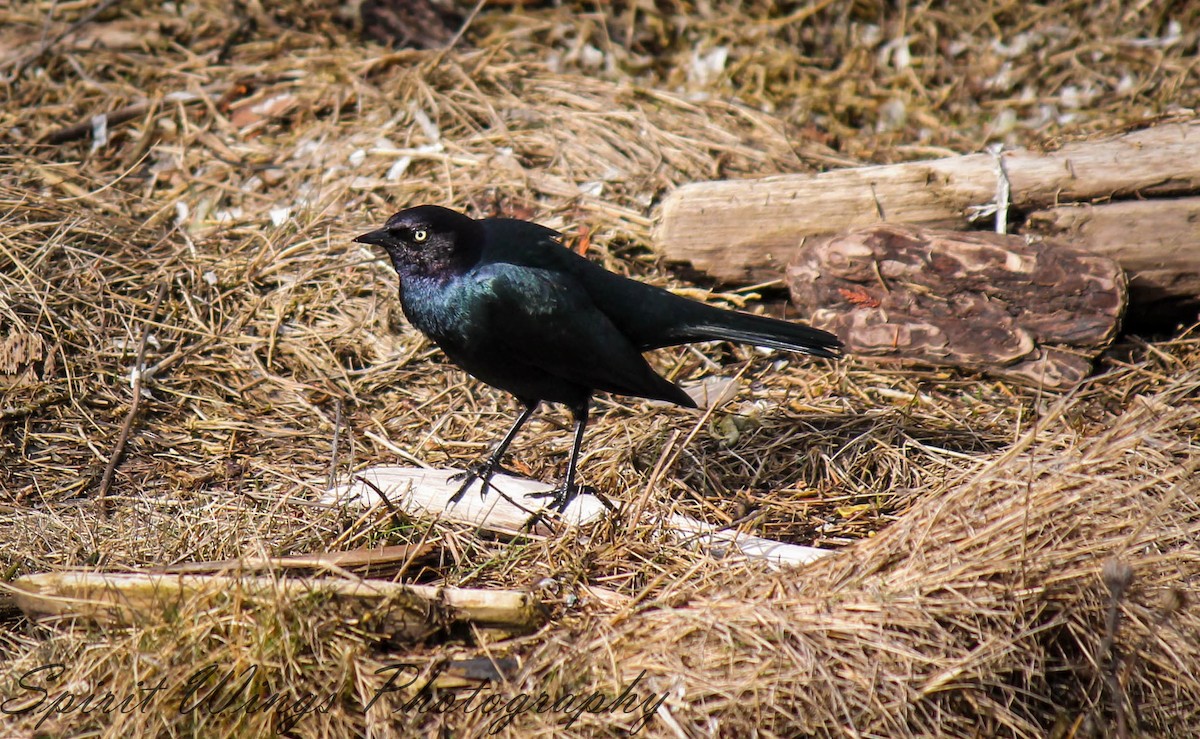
(1037, 312)
(748, 230)
(1156, 241)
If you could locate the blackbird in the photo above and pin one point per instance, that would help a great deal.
(506, 301)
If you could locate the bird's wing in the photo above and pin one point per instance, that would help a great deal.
(547, 319)
(647, 316)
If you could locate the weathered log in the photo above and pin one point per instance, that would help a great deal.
(1156, 241)
(748, 230)
(1038, 312)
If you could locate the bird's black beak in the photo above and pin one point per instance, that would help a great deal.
(376, 238)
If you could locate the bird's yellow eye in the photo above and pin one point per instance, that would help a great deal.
(420, 235)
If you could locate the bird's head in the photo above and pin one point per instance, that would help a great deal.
(429, 241)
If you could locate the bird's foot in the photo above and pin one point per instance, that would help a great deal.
(561, 496)
(481, 471)
(477, 470)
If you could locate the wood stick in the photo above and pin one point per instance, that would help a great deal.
(139, 369)
(411, 610)
(116, 117)
(84, 128)
(749, 230)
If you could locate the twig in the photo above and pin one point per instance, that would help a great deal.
(114, 118)
(127, 426)
(337, 432)
(84, 128)
(463, 28)
(47, 45)
(395, 513)
(1117, 576)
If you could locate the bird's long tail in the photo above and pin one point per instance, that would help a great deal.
(707, 323)
(651, 317)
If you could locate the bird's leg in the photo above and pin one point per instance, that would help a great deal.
(569, 489)
(562, 497)
(485, 470)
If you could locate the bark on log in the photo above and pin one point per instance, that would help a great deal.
(748, 230)
(1035, 312)
(1156, 241)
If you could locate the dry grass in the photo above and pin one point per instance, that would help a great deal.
(981, 513)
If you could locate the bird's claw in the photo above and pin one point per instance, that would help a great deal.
(482, 471)
(561, 497)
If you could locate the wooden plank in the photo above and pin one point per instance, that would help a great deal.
(749, 230)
